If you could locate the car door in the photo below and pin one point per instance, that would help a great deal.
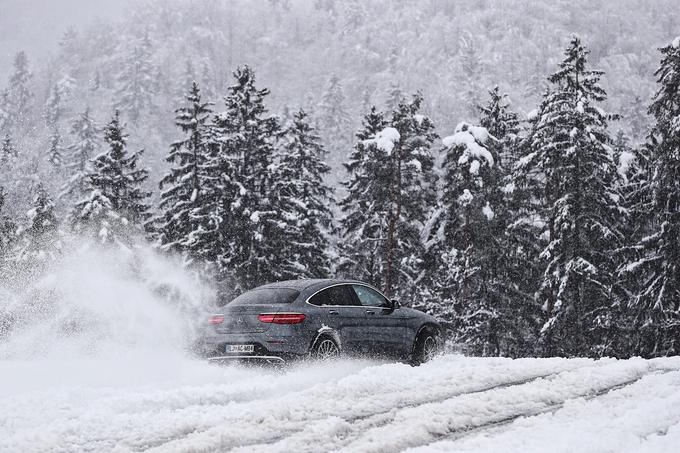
(386, 328)
(340, 311)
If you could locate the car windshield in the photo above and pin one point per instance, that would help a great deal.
(266, 296)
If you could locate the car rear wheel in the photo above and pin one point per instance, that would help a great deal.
(426, 348)
(325, 349)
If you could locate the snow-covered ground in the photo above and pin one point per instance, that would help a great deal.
(107, 372)
(140, 402)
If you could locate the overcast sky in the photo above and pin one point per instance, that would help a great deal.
(36, 25)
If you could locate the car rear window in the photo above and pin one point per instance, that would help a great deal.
(266, 296)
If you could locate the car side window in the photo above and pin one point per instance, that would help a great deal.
(335, 295)
(319, 299)
(369, 297)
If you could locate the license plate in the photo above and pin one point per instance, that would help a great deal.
(240, 348)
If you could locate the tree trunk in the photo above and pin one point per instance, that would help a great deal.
(391, 229)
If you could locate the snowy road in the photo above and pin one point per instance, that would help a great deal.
(452, 404)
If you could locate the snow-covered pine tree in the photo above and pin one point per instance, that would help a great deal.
(516, 272)
(362, 227)
(19, 94)
(503, 125)
(184, 183)
(55, 155)
(8, 150)
(116, 207)
(656, 271)
(472, 201)
(395, 95)
(78, 155)
(334, 122)
(412, 187)
(5, 107)
(137, 80)
(247, 135)
(569, 145)
(302, 203)
(7, 231)
(39, 242)
(471, 66)
(186, 82)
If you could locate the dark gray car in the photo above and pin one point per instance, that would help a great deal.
(319, 319)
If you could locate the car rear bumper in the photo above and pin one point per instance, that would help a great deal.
(269, 359)
(266, 347)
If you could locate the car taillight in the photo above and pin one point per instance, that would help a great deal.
(282, 318)
(216, 319)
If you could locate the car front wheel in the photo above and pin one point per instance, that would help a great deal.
(426, 348)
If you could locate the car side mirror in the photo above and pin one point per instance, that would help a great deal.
(394, 304)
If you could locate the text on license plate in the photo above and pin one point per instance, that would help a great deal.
(240, 348)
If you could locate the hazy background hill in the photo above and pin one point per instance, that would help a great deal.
(452, 51)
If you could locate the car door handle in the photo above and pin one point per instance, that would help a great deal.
(332, 312)
(370, 312)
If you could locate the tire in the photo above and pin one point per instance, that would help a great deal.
(426, 347)
(325, 348)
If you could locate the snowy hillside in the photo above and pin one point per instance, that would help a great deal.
(451, 404)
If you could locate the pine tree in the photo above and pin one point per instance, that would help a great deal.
(247, 136)
(395, 96)
(55, 154)
(391, 193)
(115, 208)
(77, 157)
(363, 223)
(302, 203)
(8, 152)
(517, 254)
(185, 180)
(334, 121)
(5, 107)
(472, 201)
(503, 125)
(19, 94)
(187, 81)
(656, 271)
(413, 190)
(40, 241)
(7, 231)
(472, 69)
(137, 81)
(569, 145)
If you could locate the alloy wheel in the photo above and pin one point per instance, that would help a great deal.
(327, 349)
(429, 348)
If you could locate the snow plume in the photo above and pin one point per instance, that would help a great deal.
(95, 302)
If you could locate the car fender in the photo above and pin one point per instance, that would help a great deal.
(328, 331)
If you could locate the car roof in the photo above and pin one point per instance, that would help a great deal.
(306, 283)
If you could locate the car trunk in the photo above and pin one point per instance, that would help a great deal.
(243, 318)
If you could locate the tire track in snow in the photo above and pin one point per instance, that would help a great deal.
(282, 424)
(488, 428)
(356, 425)
(424, 425)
